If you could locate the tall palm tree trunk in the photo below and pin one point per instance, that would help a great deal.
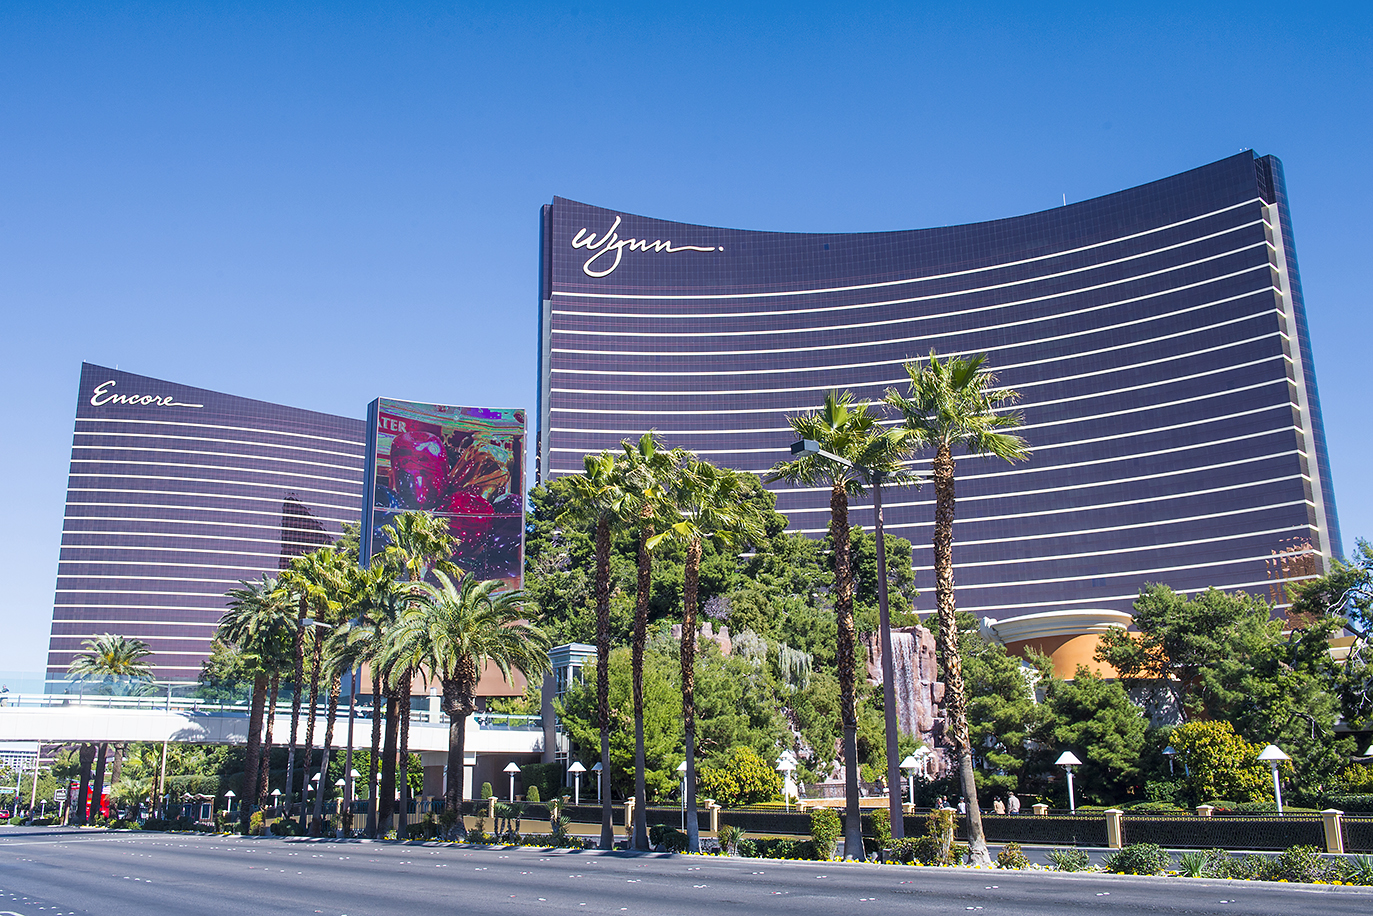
(299, 682)
(315, 664)
(956, 708)
(458, 704)
(846, 646)
(386, 802)
(637, 669)
(254, 751)
(86, 756)
(335, 686)
(98, 787)
(403, 762)
(603, 675)
(689, 592)
(264, 779)
(372, 770)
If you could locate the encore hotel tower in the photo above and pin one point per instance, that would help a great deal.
(1157, 336)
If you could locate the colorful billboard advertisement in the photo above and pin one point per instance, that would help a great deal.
(463, 464)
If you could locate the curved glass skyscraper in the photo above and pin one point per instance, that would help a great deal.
(1157, 335)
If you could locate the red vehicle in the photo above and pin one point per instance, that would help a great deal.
(74, 790)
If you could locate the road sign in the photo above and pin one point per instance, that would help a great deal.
(59, 794)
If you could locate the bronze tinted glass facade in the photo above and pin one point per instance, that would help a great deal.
(1158, 337)
(176, 494)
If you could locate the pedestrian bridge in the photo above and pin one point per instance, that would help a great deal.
(64, 718)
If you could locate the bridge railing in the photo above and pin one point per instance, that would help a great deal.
(419, 715)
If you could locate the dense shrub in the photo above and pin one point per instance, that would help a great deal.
(1012, 857)
(1138, 859)
(255, 823)
(729, 837)
(1297, 863)
(1355, 870)
(1069, 859)
(1154, 807)
(936, 847)
(1361, 804)
(286, 826)
(825, 829)
(668, 837)
(776, 848)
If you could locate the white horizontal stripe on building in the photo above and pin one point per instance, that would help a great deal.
(1056, 557)
(220, 482)
(1100, 600)
(209, 467)
(351, 470)
(267, 431)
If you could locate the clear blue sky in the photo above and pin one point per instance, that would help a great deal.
(275, 200)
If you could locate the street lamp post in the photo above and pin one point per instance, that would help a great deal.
(577, 769)
(1068, 760)
(1273, 756)
(681, 773)
(512, 768)
(229, 802)
(1170, 752)
(909, 765)
(597, 770)
(811, 447)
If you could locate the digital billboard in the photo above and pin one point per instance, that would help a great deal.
(463, 464)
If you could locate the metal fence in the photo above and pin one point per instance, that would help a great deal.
(1051, 829)
(1225, 831)
(1358, 833)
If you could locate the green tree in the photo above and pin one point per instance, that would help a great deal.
(742, 778)
(1219, 764)
(955, 405)
(706, 503)
(577, 711)
(453, 632)
(1002, 711)
(1345, 594)
(1094, 718)
(853, 446)
(114, 663)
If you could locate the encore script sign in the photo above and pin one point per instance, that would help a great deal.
(102, 396)
(611, 243)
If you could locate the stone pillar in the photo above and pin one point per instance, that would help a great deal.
(629, 816)
(1205, 810)
(491, 808)
(1041, 809)
(714, 810)
(1334, 832)
(1115, 830)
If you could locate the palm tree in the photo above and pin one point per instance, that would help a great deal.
(952, 405)
(314, 579)
(647, 473)
(376, 602)
(452, 632)
(419, 543)
(711, 506)
(116, 662)
(853, 446)
(598, 500)
(260, 624)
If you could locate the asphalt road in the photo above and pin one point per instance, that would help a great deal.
(46, 872)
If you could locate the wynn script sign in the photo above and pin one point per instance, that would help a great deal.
(611, 244)
(102, 396)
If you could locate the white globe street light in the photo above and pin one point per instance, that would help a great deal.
(1273, 755)
(512, 768)
(786, 766)
(576, 770)
(1068, 760)
(597, 770)
(909, 765)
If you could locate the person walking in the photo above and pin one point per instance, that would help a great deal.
(998, 806)
(1012, 804)
(962, 806)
